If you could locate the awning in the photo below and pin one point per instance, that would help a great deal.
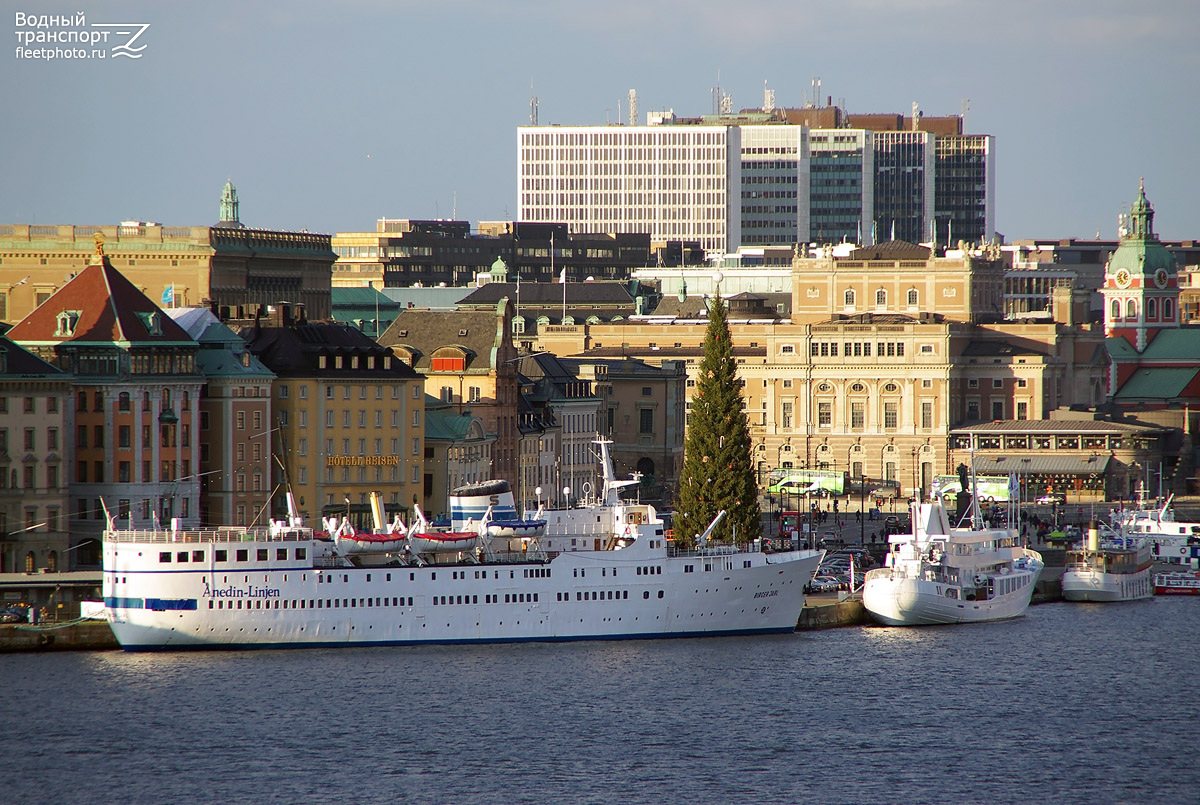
(1028, 465)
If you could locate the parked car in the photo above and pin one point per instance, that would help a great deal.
(824, 584)
(891, 525)
(1053, 499)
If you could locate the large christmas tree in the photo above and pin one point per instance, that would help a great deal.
(717, 473)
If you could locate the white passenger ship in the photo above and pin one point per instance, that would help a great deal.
(1117, 569)
(939, 574)
(1171, 541)
(284, 586)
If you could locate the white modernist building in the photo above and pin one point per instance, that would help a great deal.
(748, 180)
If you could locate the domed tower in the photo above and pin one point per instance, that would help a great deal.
(229, 207)
(1141, 284)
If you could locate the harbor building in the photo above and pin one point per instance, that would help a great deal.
(228, 266)
(885, 349)
(466, 358)
(238, 441)
(130, 438)
(350, 415)
(34, 398)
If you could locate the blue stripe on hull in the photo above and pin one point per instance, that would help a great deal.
(454, 641)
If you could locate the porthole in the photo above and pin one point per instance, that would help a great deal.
(891, 388)
(858, 388)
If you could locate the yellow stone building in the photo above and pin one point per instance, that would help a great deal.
(885, 351)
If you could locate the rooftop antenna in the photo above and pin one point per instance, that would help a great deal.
(966, 107)
(916, 110)
(816, 92)
(533, 105)
(768, 98)
(633, 107)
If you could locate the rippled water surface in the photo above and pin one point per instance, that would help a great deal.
(1073, 703)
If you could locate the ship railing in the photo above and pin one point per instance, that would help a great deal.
(712, 550)
(204, 535)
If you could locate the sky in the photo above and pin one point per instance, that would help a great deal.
(329, 116)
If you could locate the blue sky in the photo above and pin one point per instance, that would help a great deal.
(328, 116)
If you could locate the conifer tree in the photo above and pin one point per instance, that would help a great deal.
(717, 473)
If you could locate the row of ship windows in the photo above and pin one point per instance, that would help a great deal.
(319, 603)
(222, 555)
(438, 600)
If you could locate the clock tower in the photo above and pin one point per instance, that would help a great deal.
(1141, 285)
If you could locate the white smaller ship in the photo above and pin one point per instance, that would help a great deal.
(939, 574)
(1117, 569)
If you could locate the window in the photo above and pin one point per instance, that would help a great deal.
(474, 394)
(858, 414)
(890, 414)
(1115, 309)
(1022, 410)
(124, 437)
(848, 298)
(912, 297)
(1168, 310)
(972, 382)
(647, 420)
(123, 401)
(824, 414)
(787, 349)
(997, 409)
(997, 383)
(1131, 309)
(785, 413)
(972, 409)
(51, 438)
(926, 415)
(241, 420)
(880, 298)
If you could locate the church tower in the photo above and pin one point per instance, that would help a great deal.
(229, 207)
(1141, 283)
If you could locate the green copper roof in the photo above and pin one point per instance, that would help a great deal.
(1140, 252)
(1156, 384)
(1176, 344)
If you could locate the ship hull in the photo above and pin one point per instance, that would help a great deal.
(1101, 587)
(903, 601)
(581, 595)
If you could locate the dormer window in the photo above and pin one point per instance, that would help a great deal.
(152, 322)
(66, 323)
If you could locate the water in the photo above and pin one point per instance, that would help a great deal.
(1073, 703)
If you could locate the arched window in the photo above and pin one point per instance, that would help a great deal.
(52, 562)
(30, 562)
(912, 297)
(1131, 309)
(1115, 312)
(849, 298)
(123, 401)
(1168, 310)
(880, 298)
(1151, 309)
(518, 325)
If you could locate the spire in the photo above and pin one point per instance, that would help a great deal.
(1141, 215)
(229, 206)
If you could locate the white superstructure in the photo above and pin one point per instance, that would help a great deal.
(1170, 540)
(285, 586)
(940, 574)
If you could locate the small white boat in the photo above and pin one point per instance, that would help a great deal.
(939, 574)
(1117, 569)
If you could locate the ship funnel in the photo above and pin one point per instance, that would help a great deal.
(1093, 538)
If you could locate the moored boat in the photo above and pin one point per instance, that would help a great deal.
(285, 586)
(938, 574)
(1177, 583)
(1115, 569)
